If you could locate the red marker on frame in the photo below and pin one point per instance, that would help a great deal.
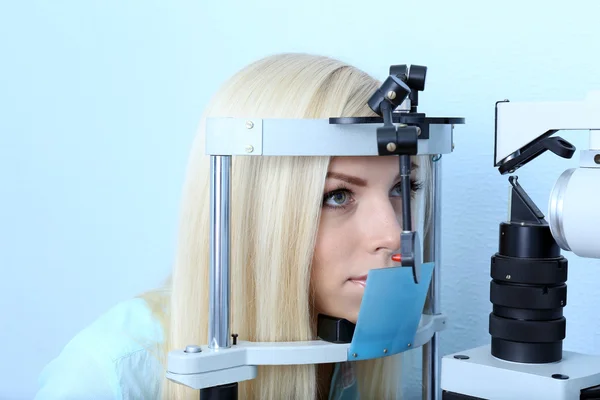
(397, 257)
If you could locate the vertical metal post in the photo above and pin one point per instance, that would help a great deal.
(431, 359)
(219, 303)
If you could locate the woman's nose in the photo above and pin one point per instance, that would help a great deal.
(383, 227)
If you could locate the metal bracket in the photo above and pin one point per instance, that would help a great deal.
(207, 368)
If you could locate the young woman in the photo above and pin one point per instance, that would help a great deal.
(304, 231)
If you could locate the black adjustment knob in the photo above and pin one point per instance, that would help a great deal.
(393, 90)
(401, 71)
(416, 77)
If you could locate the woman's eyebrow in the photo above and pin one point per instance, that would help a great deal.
(354, 180)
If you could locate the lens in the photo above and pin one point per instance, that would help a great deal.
(528, 293)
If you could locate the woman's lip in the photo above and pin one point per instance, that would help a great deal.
(361, 282)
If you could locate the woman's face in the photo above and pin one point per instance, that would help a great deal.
(359, 230)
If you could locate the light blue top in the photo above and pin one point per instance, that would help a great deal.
(110, 360)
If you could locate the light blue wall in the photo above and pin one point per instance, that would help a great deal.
(99, 102)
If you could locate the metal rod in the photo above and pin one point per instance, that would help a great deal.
(405, 162)
(219, 302)
(431, 359)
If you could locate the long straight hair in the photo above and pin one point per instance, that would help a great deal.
(275, 212)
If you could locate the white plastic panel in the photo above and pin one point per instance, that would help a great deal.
(520, 123)
(485, 376)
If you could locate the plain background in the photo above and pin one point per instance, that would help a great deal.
(99, 102)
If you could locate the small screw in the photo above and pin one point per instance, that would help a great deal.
(391, 95)
(418, 131)
(385, 350)
(597, 158)
(193, 349)
(249, 125)
(234, 336)
(410, 344)
(354, 355)
(391, 146)
(249, 148)
(507, 276)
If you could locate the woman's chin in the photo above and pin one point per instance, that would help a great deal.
(352, 317)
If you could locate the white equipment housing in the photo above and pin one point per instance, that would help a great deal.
(574, 218)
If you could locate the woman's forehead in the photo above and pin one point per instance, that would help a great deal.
(365, 164)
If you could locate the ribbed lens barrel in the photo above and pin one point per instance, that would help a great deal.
(528, 293)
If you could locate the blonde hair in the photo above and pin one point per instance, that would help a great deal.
(275, 211)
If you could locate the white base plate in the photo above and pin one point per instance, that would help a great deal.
(487, 377)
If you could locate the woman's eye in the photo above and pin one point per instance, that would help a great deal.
(337, 199)
(415, 186)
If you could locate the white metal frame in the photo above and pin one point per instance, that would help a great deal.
(218, 362)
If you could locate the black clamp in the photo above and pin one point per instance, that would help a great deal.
(403, 141)
(400, 85)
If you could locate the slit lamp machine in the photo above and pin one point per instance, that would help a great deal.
(525, 359)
